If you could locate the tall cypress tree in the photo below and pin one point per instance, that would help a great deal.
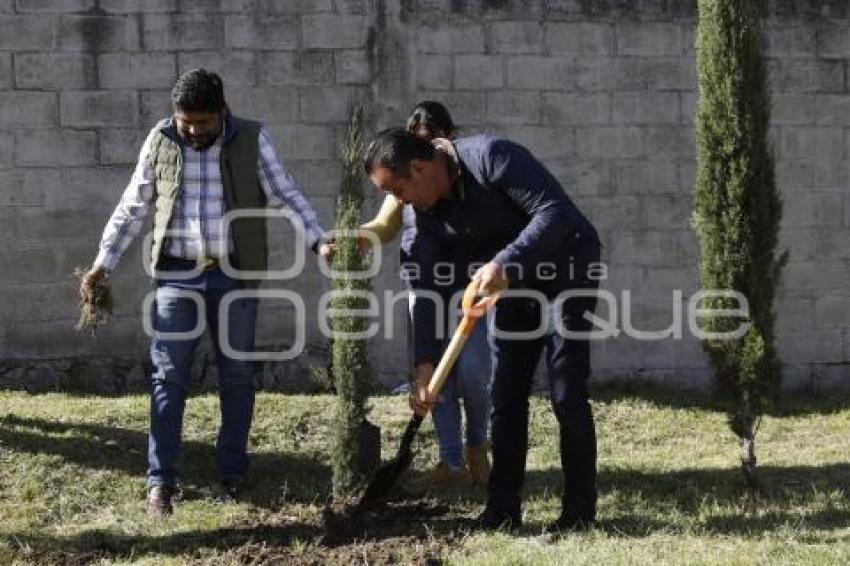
(737, 211)
(351, 371)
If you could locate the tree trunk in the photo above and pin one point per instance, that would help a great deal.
(746, 430)
(748, 461)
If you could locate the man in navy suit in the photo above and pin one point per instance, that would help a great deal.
(489, 203)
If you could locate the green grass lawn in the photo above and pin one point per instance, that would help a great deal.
(72, 488)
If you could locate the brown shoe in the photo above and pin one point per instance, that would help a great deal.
(160, 498)
(479, 464)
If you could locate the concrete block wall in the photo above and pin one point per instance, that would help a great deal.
(603, 92)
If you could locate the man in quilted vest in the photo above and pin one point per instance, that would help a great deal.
(208, 175)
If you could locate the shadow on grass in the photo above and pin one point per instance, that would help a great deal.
(274, 476)
(707, 501)
(401, 524)
(789, 404)
(401, 531)
(713, 499)
(98, 544)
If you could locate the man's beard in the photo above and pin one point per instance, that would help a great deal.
(201, 144)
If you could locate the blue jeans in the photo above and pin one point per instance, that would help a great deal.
(469, 381)
(174, 311)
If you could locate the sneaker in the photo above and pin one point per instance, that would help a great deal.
(442, 476)
(568, 524)
(496, 520)
(479, 464)
(160, 500)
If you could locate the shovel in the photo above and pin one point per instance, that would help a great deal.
(387, 475)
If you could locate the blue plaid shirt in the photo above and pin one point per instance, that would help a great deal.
(198, 215)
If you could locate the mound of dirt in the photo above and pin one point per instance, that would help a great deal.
(345, 521)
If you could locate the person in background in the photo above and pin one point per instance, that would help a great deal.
(469, 383)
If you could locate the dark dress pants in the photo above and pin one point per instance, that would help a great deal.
(568, 364)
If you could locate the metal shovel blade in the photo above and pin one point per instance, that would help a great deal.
(387, 476)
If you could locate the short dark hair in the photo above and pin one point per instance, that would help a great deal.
(433, 115)
(198, 90)
(394, 149)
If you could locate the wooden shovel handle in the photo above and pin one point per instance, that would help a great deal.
(476, 309)
(472, 311)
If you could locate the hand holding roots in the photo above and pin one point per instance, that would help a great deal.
(95, 300)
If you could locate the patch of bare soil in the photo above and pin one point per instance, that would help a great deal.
(344, 521)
